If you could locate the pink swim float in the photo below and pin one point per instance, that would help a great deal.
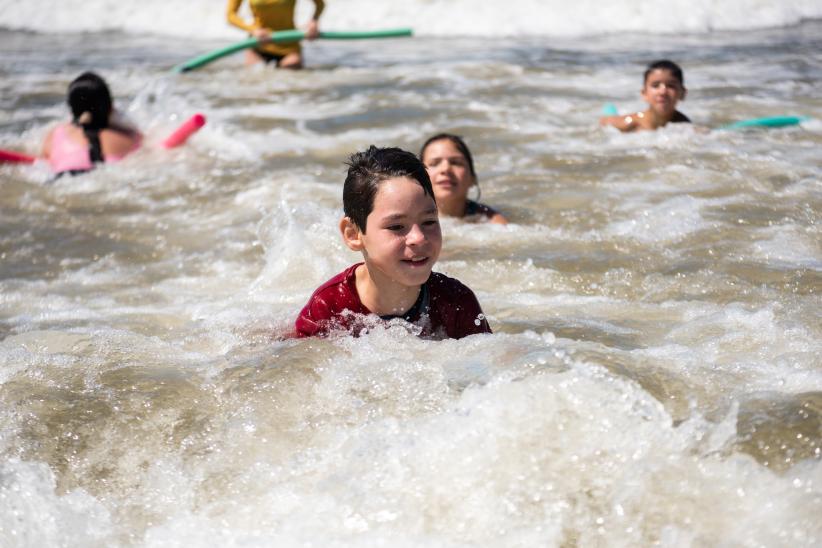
(182, 133)
(16, 157)
(179, 137)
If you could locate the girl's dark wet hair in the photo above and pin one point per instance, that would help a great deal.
(458, 142)
(665, 64)
(89, 93)
(369, 168)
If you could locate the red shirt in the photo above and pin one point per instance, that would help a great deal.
(445, 309)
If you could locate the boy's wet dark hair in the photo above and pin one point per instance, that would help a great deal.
(458, 142)
(367, 169)
(665, 64)
(89, 93)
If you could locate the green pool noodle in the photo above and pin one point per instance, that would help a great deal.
(770, 121)
(286, 36)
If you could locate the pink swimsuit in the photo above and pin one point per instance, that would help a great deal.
(66, 154)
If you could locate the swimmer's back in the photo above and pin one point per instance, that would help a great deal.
(67, 148)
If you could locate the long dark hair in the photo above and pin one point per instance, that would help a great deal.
(90, 101)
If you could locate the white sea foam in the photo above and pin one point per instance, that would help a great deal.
(789, 247)
(36, 515)
(669, 221)
(493, 18)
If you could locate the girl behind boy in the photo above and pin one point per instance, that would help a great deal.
(392, 218)
(451, 169)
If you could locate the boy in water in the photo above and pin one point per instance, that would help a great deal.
(663, 87)
(391, 217)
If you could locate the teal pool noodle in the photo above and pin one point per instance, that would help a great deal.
(771, 121)
(609, 109)
(286, 36)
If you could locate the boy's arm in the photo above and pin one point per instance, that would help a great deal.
(468, 317)
(319, 315)
(621, 122)
(313, 318)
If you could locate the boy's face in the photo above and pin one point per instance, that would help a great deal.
(662, 91)
(402, 238)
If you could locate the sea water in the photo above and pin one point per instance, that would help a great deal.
(654, 376)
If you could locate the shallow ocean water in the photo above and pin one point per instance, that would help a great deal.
(654, 376)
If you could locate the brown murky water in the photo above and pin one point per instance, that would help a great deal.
(654, 376)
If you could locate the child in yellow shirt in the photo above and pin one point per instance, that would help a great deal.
(271, 16)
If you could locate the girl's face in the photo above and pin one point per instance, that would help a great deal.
(662, 91)
(402, 240)
(449, 171)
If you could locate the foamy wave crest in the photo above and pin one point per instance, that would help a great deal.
(206, 18)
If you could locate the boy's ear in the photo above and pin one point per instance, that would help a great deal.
(352, 236)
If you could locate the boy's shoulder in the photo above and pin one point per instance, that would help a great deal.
(445, 287)
(454, 308)
(340, 290)
(680, 118)
(337, 279)
(327, 303)
(442, 279)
